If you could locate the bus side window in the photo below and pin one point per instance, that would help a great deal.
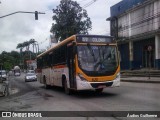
(63, 55)
(50, 60)
(53, 54)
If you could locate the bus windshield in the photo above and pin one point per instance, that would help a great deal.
(97, 59)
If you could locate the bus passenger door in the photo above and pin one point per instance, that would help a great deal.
(71, 65)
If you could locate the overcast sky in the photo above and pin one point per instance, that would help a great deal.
(22, 27)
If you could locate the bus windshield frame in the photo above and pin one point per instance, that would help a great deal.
(98, 60)
(101, 55)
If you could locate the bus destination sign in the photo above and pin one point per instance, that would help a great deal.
(94, 39)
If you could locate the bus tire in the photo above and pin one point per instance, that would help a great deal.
(6, 93)
(99, 90)
(66, 89)
(45, 83)
(63, 80)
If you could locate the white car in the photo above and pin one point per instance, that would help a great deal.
(17, 74)
(30, 77)
(3, 74)
(31, 71)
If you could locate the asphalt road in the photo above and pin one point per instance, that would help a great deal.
(32, 96)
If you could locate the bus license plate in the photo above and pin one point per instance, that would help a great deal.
(101, 86)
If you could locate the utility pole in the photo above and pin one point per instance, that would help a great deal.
(149, 49)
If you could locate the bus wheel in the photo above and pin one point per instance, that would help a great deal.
(99, 90)
(45, 84)
(6, 92)
(66, 89)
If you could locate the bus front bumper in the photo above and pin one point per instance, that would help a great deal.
(85, 85)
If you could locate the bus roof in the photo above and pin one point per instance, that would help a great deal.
(93, 35)
(58, 44)
(72, 38)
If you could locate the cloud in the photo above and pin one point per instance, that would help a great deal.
(21, 27)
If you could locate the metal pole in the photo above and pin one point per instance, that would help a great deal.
(1, 71)
(30, 55)
(20, 12)
(149, 64)
(38, 48)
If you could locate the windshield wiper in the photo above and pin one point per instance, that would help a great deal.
(100, 63)
(102, 59)
(91, 51)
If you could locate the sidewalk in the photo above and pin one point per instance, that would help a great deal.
(140, 79)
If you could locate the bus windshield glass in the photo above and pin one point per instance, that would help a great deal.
(97, 59)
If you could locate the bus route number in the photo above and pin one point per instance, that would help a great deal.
(86, 39)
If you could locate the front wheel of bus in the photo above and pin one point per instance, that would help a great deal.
(99, 90)
(46, 86)
(66, 89)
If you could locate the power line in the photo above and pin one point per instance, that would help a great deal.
(85, 6)
(103, 32)
(142, 21)
(89, 3)
(82, 1)
(140, 27)
(147, 24)
(139, 16)
(43, 41)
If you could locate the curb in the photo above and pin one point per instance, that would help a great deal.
(140, 81)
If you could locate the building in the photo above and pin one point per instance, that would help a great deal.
(31, 64)
(136, 26)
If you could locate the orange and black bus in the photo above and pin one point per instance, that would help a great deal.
(81, 62)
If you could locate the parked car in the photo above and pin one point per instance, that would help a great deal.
(10, 73)
(31, 71)
(3, 74)
(17, 73)
(30, 77)
(4, 89)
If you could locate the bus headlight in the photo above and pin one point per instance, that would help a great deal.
(81, 77)
(117, 76)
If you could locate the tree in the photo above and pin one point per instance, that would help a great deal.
(33, 43)
(26, 44)
(27, 54)
(69, 19)
(9, 59)
(17, 57)
(21, 46)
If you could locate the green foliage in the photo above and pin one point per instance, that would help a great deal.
(70, 19)
(9, 59)
(27, 54)
(8, 66)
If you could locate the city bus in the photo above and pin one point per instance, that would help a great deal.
(80, 62)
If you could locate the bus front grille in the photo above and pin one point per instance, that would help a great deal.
(97, 85)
